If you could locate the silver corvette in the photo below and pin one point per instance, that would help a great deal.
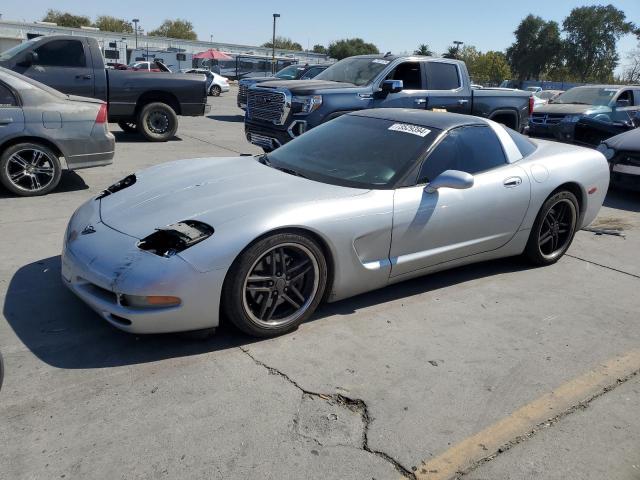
(363, 201)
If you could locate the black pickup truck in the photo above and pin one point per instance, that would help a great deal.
(138, 101)
(278, 111)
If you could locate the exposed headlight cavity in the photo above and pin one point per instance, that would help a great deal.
(172, 239)
(608, 153)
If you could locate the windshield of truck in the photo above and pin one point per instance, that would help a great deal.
(587, 96)
(358, 71)
(354, 151)
(289, 73)
(12, 52)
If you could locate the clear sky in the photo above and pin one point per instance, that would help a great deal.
(392, 26)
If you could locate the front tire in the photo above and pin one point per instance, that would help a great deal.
(275, 285)
(554, 229)
(29, 169)
(215, 91)
(158, 122)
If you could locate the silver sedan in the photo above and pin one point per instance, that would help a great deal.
(363, 201)
(41, 129)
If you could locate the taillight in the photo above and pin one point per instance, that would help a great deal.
(102, 114)
(531, 104)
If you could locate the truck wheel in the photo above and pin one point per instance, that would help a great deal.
(215, 91)
(157, 122)
(29, 169)
(128, 127)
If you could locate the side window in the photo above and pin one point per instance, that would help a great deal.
(312, 72)
(62, 53)
(409, 73)
(626, 95)
(7, 98)
(442, 76)
(472, 149)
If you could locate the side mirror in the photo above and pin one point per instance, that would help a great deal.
(30, 58)
(450, 179)
(622, 103)
(392, 86)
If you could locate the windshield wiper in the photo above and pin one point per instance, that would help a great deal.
(290, 171)
(264, 159)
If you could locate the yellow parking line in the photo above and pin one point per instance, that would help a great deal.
(464, 455)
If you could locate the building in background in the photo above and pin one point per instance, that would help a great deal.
(120, 48)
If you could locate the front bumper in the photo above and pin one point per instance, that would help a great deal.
(270, 137)
(626, 177)
(101, 266)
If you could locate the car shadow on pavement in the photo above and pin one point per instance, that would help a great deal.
(622, 199)
(70, 181)
(122, 137)
(227, 118)
(63, 332)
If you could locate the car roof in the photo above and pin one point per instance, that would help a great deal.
(617, 87)
(424, 118)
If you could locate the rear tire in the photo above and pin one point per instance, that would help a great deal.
(29, 169)
(215, 91)
(128, 127)
(554, 229)
(158, 122)
(275, 285)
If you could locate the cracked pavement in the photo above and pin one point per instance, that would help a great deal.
(371, 387)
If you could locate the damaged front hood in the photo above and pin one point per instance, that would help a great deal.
(210, 190)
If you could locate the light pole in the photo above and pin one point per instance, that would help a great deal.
(273, 44)
(135, 29)
(457, 43)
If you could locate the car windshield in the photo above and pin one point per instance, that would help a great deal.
(354, 151)
(587, 96)
(356, 70)
(289, 73)
(12, 52)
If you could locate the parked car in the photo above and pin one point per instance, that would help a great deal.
(216, 84)
(42, 130)
(623, 154)
(559, 117)
(278, 111)
(139, 101)
(368, 199)
(592, 130)
(155, 66)
(292, 72)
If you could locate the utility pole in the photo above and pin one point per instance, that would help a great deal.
(135, 29)
(273, 44)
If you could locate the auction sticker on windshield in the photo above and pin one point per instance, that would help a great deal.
(412, 129)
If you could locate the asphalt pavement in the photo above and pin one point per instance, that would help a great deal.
(491, 371)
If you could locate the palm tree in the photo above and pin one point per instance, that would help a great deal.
(423, 49)
(452, 52)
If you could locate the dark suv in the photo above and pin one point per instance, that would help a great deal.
(292, 72)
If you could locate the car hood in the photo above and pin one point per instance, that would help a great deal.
(303, 87)
(253, 81)
(211, 190)
(569, 109)
(627, 141)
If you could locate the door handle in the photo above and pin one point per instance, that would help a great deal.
(420, 101)
(512, 182)
(6, 121)
(462, 101)
(83, 77)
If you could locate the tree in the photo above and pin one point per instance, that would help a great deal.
(319, 49)
(631, 72)
(491, 68)
(590, 43)
(423, 49)
(536, 49)
(66, 19)
(452, 52)
(349, 47)
(113, 24)
(284, 43)
(175, 29)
